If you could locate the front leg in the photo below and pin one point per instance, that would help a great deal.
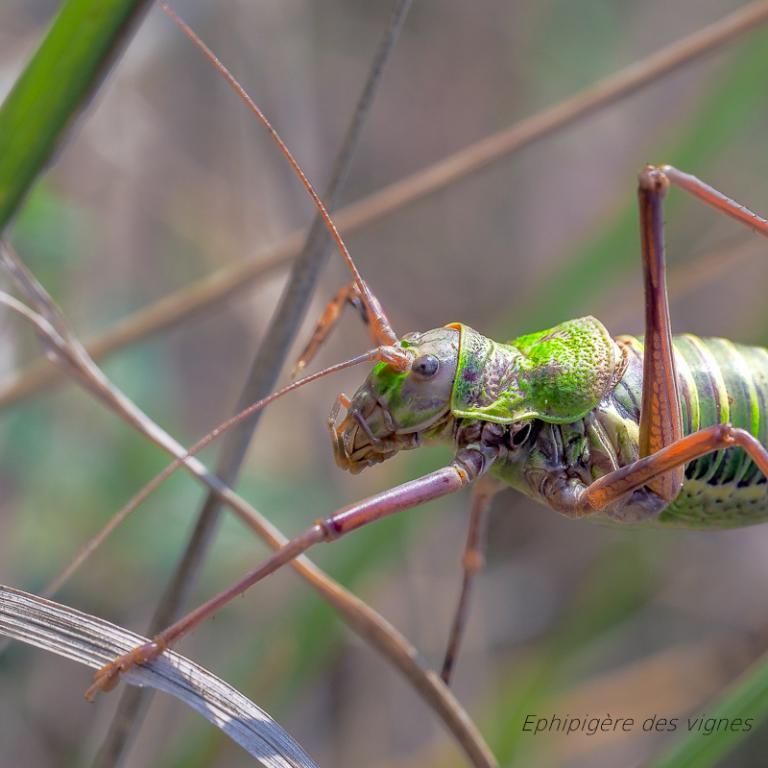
(468, 464)
(108, 676)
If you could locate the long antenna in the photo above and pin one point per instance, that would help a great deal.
(141, 496)
(379, 322)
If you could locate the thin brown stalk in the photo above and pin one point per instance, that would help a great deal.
(225, 283)
(163, 314)
(702, 270)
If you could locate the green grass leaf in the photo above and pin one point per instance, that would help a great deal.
(65, 71)
(744, 706)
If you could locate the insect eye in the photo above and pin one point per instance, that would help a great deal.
(425, 366)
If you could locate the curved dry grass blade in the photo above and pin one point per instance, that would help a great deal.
(226, 282)
(92, 641)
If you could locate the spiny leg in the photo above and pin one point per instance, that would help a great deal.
(604, 491)
(472, 561)
(467, 466)
(349, 294)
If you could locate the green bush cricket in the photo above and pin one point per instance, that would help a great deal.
(665, 431)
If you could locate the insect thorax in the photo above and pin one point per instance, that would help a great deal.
(562, 407)
(557, 460)
(557, 375)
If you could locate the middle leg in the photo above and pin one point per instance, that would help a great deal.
(473, 560)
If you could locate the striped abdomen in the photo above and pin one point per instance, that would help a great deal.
(719, 382)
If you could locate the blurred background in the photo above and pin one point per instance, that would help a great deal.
(168, 178)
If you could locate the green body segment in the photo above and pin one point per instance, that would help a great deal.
(718, 382)
(557, 375)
